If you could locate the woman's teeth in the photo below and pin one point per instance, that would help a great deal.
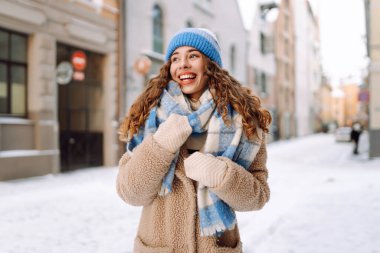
(187, 76)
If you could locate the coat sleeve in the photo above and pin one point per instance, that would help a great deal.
(140, 175)
(245, 190)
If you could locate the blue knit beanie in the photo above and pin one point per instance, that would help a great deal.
(200, 38)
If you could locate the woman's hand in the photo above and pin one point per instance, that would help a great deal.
(173, 133)
(206, 169)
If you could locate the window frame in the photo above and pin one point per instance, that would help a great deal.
(158, 40)
(9, 63)
(263, 83)
(262, 43)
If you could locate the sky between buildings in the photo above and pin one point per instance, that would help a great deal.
(342, 35)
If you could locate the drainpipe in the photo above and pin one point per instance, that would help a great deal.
(122, 46)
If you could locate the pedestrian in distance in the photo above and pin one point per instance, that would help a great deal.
(356, 131)
(196, 151)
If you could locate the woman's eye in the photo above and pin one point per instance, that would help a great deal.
(174, 59)
(193, 56)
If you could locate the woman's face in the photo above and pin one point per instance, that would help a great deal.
(188, 70)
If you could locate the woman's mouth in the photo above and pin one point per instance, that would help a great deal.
(187, 78)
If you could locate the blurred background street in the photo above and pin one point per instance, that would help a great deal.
(324, 199)
(71, 69)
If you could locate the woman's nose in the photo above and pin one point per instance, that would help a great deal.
(184, 63)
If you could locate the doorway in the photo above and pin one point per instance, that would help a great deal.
(81, 112)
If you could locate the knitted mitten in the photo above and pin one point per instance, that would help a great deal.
(206, 169)
(173, 133)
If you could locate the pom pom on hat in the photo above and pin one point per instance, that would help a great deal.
(200, 38)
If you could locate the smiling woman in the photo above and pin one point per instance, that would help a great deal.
(187, 69)
(191, 135)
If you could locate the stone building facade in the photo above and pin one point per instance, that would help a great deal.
(58, 85)
(261, 58)
(308, 74)
(285, 70)
(372, 9)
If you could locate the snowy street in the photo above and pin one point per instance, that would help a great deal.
(323, 200)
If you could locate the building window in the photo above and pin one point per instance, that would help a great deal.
(262, 43)
(266, 44)
(157, 30)
(257, 78)
(13, 73)
(263, 83)
(233, 58)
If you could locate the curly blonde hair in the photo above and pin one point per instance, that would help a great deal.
(225, 90)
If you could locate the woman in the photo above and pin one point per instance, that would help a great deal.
(195, 152)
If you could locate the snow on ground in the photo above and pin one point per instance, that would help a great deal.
(323, 200)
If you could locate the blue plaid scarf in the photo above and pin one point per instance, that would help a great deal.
(222, 140)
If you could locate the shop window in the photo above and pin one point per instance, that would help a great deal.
(157, 30)
(81, 110)
(13, 73)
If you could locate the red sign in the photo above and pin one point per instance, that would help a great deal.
(79, 60)
(142, 65)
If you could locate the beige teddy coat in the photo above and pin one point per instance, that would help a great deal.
(171, 223)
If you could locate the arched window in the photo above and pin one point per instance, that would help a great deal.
(157, 29)
(233, 58)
